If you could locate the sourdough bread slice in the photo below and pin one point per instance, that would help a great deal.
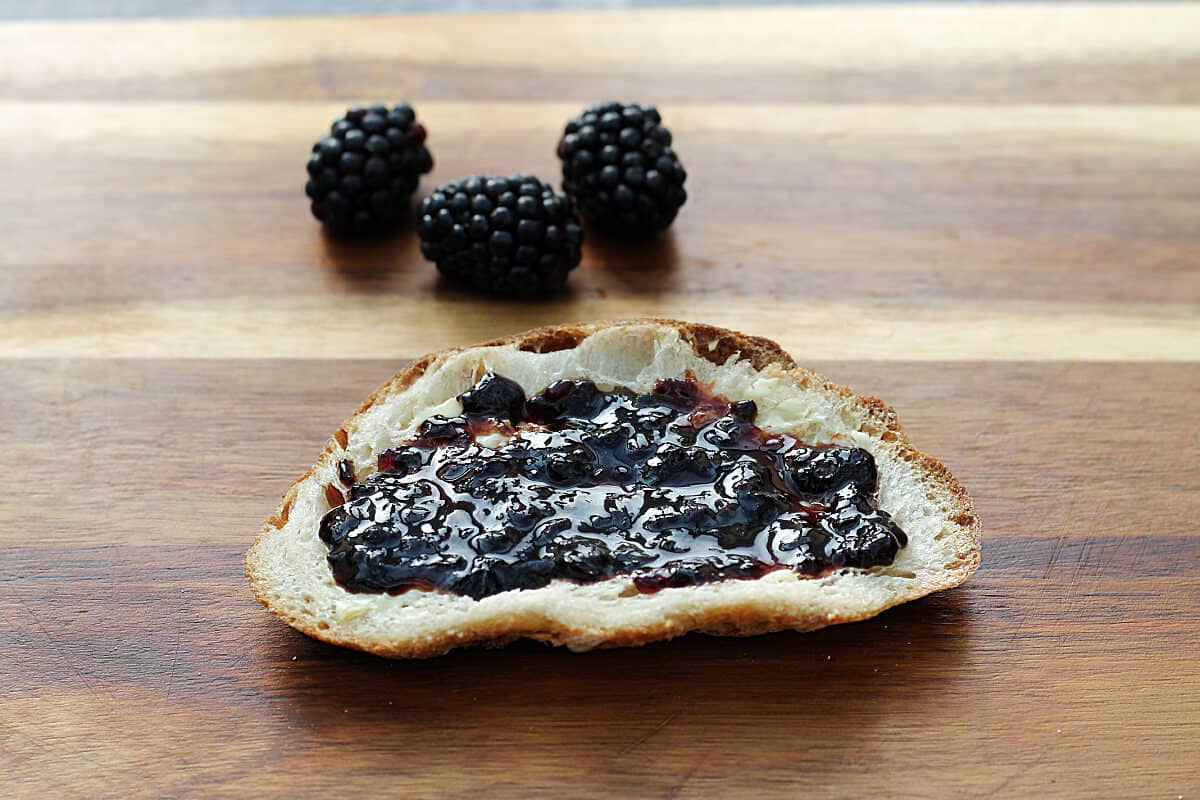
(288, 571)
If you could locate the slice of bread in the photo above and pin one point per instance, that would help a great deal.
(287, 565)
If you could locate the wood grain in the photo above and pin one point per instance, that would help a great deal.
(986, 215)
(321, 327)
(1017, 53)
(920, 203)
(1041, 679)
(997, 425)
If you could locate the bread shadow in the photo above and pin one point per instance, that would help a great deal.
(373, 262)
(841, 683)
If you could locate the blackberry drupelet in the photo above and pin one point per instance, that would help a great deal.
(505, 236)
(362, 175)
(619, 168)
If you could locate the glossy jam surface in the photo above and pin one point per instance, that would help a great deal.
(673, 488)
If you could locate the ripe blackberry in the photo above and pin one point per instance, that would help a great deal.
(361, 176)
(504, 236)
(494, 396)
(619, 168)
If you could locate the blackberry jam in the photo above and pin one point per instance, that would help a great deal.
(673, 488)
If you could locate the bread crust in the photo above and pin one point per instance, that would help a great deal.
(717, 345)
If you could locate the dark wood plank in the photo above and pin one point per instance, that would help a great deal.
(138, 451)
(1066, 668)
(934, 204)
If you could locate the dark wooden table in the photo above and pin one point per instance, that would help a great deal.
(989, 216)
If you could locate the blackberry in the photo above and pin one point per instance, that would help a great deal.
(495, 396)
(672, 465)
(439, 430)
(503, 236)
(562, 399)
(361, 176)
(815, 471)
(619, 168)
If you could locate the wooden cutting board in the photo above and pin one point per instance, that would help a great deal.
(987, 215)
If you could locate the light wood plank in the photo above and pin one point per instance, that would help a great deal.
(371, 326)
(733, 38)
(177, 129)
(1132, 53)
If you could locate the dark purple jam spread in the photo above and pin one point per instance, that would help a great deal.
(673, 488)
